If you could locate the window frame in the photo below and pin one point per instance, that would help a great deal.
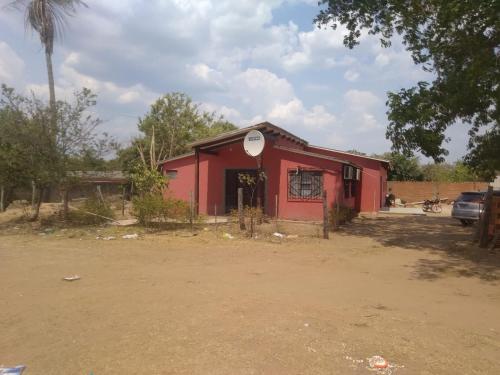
(318, 197)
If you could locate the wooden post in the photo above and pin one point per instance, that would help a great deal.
(191, 209)
(337, 212)
(196, 179)
(276, 206)
(65, 195)
(123, 200)
(241, 217)
(215, 212)
(33, 193)
(2, 197)
(484, 222)
(99, 193)
(325, 216)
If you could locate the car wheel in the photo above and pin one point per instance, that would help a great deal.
(465, 222)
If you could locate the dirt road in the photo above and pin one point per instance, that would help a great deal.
(410, 289)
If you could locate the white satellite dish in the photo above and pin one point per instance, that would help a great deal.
(254, 143)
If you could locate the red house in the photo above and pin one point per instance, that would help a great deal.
(296, 175)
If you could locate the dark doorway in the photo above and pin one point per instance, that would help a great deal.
(232, 185)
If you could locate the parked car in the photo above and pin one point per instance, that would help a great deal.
(468, 207)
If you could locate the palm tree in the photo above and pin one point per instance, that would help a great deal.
(48, 18)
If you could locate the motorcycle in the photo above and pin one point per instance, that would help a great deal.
(433, 205)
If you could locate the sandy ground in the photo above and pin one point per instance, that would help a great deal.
(412, 289)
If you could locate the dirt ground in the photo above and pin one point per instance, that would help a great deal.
(412, 289)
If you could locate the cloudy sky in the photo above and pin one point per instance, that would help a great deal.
(250, 60)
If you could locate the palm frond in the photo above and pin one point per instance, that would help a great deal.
(47, 17)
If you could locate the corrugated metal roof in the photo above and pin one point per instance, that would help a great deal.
(349, 153)
(176, 157)
(315, 155)
(240, 133)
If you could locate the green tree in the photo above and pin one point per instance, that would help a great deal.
(12, 157)
(458, 41)
(462, 173)
(402, 167)
(446, 172)
(48, 155)
(177, 121)
(48, 18)
(438, 172)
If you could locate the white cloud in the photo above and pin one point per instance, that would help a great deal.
(294, 115)
(361, 99)
(360, 105)
(351, 75)
(70, 79)
(11, 65)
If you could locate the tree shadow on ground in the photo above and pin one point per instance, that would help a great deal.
(444, 236)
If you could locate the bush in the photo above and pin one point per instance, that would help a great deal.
(151, 208)
(93, 205)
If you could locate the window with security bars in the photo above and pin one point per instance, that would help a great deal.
(305, 185)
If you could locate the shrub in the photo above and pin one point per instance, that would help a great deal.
(151, 208)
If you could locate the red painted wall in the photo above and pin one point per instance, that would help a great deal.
(276, 164)
(181, 186)
(373, 179)
(306, 209)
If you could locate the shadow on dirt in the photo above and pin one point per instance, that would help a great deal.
(460, 257)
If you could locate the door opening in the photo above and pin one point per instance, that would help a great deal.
(233, 183)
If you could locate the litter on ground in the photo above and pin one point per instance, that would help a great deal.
(130, 236)
(108, 238)
(18, 370)
(377, 362)
(71, 278)
(279, 235)
(228, 236)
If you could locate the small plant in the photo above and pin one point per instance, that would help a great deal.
(154, 208)
(252, 182)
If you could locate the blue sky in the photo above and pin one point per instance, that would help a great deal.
(250, 60)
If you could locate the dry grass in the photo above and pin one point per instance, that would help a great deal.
(410, 289)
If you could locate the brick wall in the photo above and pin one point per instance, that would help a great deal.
(416, 191)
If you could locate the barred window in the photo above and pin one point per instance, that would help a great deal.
(305, 184)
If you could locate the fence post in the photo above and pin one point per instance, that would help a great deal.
(337, 211)
(191, 210)
(325, 217)
(33, 193)
(2, 196)
(99, 193)
(241, 217)
(484, 222)
(215, 212)
(123, 200)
